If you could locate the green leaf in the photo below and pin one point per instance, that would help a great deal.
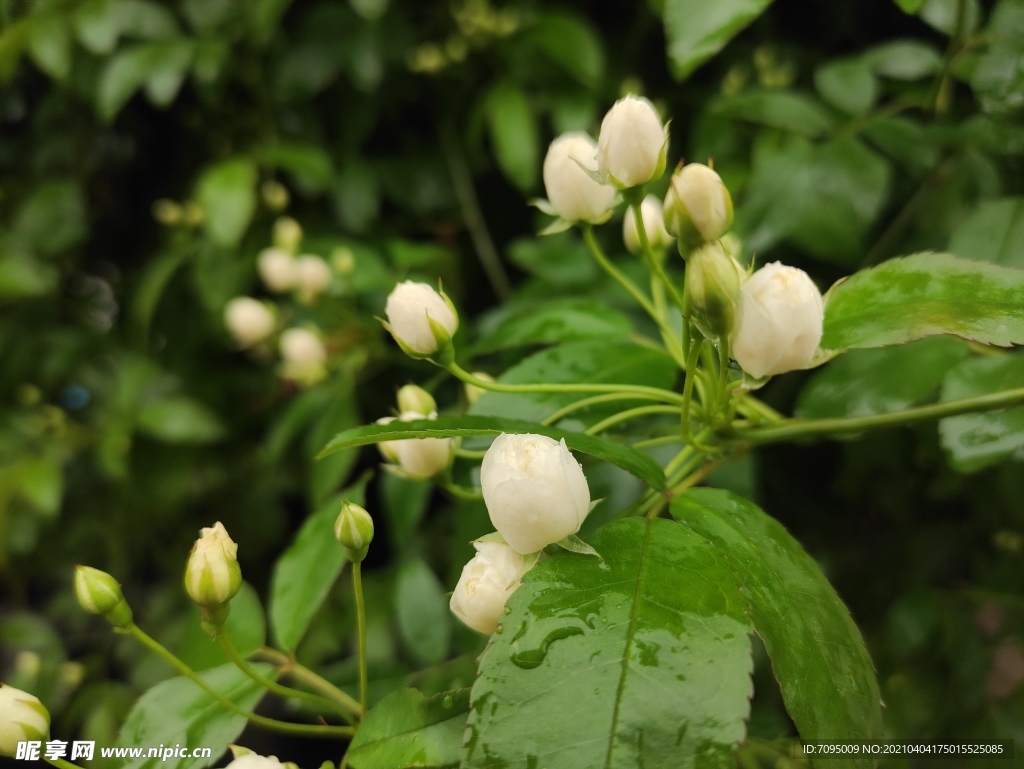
(356, 196)
(904, 60)
(787, 110)
(696, 30)
(98, 25)
(640, 660)
(974, 441)
(944, 15)
(178, 712)
(904, 141)
(564, 320)
(629, 459)
(910, 6)
(993, 233)
(340, 413)
(817, 653)
(180, 420)
(13, 41)
(923, 295)
(41, 483)
(305, 572)
(573, 43)
(406, 729)
(227, 191)
(562, 259)
(513, 131)
(405, 504)
(158, 66)
(49, 43)
(53, 217)
(865, 382)
(309, 164)
(245, 626)
(424, 620)
(146, 19)
(999, 77)
(847, 84)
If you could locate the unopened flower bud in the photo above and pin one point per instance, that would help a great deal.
(632, 145)
(193, 213)
(246, 759)
(248, 320)
(473, 392)
(287, 234)
(354, 530)
(413, 398)
(416, 458)
(654, 226)
(277, 269)
(312, 276)
(572, 193)
(99, 593)
(779, 321)
(167, 212)
(420, 319)
(304, 355)
(487, 581)
(713, 283)
(22, 719)
(213, 577)
(275, 195)
(344, 260)
(698, 207)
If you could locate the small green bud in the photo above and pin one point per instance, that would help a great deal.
(713, 283)
(212, 576)
(275, 195)
(413, 398)
(23, 718)
(354, 530)
(698, 207)
(99, 593)
(287, 234)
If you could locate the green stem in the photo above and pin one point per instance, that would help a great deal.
(662, 440)
(625, 416)
(723, 374)
(461, 492)
(470, 453)
(61, 763)
(691, 375)
(307, 730)
(809, 428)
(591, 401)
(357, 586)
(654, 265)
(304, 675)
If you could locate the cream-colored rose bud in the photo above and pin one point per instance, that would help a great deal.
(632, 145)
(778, 321)
(99, 593)
(654, 226)
(419, 458)
(246, 759)
(473, 392)
(277, 269)
(167, 212)
(354, 530)
(713, 284)
(387, 448)
(535, 491)
(698, 207)
(572, 193)
(303, 355)
(420, 319)
(287, 234)
(212, 576)
(275, 195)
(344, 260)
(490, 577)
(312, 276)
(413, 398)
(22, 719)
(248, 320)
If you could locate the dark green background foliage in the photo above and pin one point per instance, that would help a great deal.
(849, 132)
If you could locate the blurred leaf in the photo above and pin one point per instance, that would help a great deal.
(245, 626)
(847, 84)
(157, 274)
(999, 76)
(22, 277)
(310, 165)
(406, 729)
(974, 441)
(904, 59)
(423, 616)
(564, 320)
(227, 192)
(306, 570)
(817, 653)
(696, 30)
(562, 259)
(405, 504)
(177, 712)
(630, 460)
(608, 660)
(910, 6)
(53, 217)
(50, 44)
(905, 141)
(572, 43)
(13, 41)
(146, 19)
(208, 62)
(944, 15)
(513, 130)
(327, 474)
(356, 196)
(787, 110)
(922, 295)
(266, 17)
(993, 233)
(41, 483)
(158, 66)
(864, 382)
(180, 420)
(371, 10)
(300, 411)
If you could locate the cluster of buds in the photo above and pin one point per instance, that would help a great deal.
(282, 269)
(416, 458)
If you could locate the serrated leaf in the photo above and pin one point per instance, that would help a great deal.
(564, 320)
(817, 653)
(696, 30)
(406, 729)
(993, 233)
(630, 460)
(227, 192)
(654, 640)
(923, 295)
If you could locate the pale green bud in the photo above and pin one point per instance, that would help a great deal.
(714, 280)
(413, 398)
(354, 530)
(275, 195)
(99, 593)
(213, 577)
(22, 719)
(287, 234)
(698, 207)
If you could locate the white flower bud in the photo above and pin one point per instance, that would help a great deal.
(212, 576)
(490, 577)
(312, 276)
(275, 195)
(631, 147)
(387, 448)
(573, 195)
(277, 269)
(420, 319)
(287, 234)
(417, 458)
(535, 491)
(654, 226)
(354, 530)
(474, 393)
(255, 761)
(303, 354)
(249, 321)
(698, 207)
(778, 321)
(713, 283)
(100, 593)
(413, 398)
(22, 719)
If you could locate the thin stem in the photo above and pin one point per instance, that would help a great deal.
(662, 440)
(307, 730)
(691, 375)
(61, 763)
(357, 586)
(809, 428)
(757, 409)
(470, 453)
(625, 416)
(723, 373)
(304, 675)
(461, 492)
(591, 401)
(653, 263)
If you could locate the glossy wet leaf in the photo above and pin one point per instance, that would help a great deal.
(817, 653)
(245, 626)
(178, 712)
(696, 30)
(421, 605)
(567, 320)
(923, 295)
(974, 441)
(630, 460)
(864, 382)
(406, 729)
(642, 659)
(993, 233)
